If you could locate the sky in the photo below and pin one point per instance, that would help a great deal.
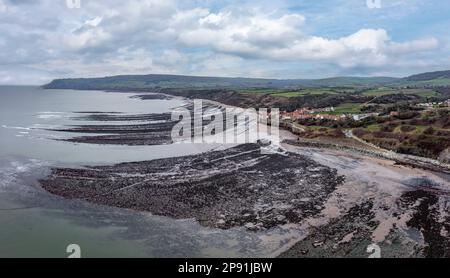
(41, 40)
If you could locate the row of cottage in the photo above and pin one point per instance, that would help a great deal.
(435, 104)
(321, 114)
(324, 113)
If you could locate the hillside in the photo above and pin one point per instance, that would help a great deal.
(144, 82)
(163, 81)
(352, 81)
(430, 76)
(152, 81)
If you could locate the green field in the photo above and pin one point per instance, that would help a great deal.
(373, 128)
(348, 108)
(418, 129)
(380, 92)
(260, 91)
(391, 91)
(423, 93)
(318, 128)
(305, 92)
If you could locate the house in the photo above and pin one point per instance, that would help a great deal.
(330, 117)
(359, 117)
(431, 105)
(301, 113)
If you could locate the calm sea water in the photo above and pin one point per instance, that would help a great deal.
(25, 112)
(36, 224)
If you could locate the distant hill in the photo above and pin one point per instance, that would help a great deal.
(164, 81)
(145, 82)
(153, 81)
(430, 76)
(351, 81)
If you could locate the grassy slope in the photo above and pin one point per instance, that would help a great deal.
(412, 136)
(348, 108)
(305, 92)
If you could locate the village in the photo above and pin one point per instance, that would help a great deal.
(322, 114)
(431, 105)
(329, 113)
(413, 128)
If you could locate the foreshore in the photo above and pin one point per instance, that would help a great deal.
(342, 192)
(235, 187)
(354, 146)
(403, 210)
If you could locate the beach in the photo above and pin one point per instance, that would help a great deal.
(307, 200)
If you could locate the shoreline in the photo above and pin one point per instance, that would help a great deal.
(358, 145)
(376, 193)
(355, 145)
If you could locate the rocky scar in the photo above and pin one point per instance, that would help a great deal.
(237, 187)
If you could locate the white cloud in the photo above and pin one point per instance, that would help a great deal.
(242, 34)
(3, 7)
(94, 22)
(280, 38)
(107, 37)
(171, 58)
(86, 38)
(5, 78)
(413, 46)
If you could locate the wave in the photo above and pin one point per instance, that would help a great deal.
(16, 127)
(12, 171)
(51, 115)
